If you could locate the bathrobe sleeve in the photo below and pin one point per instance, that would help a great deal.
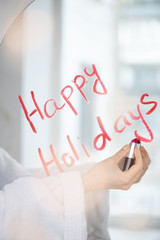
(52, 208)
(38, 207)
(96, 204)
(32, 208)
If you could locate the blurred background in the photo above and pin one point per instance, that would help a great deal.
(50, 43)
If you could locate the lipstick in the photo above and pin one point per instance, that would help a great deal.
(129, 160)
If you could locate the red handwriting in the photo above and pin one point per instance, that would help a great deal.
(103, 136)
(98, 80)
(33, 112)
(148, 102)
(147, 127)
(66, 97)
(50, 108)
(136, 118)
(64, 157)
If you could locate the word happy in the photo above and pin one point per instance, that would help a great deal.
(66, 97)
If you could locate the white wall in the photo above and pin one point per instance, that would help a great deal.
(10, 87)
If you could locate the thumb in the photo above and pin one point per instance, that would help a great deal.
(121, 153)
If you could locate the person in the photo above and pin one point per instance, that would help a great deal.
(72, 205)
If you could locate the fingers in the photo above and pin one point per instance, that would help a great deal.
(122, 153)
(107, 175)
(146, 162)
(145, 155)
(134, 173)
(137, 168)
(142, 161)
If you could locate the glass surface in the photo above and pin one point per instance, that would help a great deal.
(122, 39)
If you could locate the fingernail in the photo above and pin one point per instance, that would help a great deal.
(125, 147)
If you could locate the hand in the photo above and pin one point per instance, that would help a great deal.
(108, 174)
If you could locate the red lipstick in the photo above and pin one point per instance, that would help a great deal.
(129, 160)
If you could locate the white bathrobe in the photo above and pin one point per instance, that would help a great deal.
(35, 207)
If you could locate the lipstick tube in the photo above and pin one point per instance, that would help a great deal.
(130, 160)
